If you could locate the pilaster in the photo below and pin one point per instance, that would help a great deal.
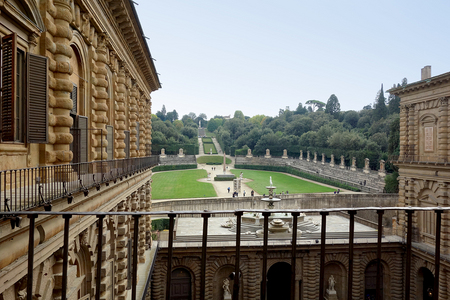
(403, 130)
(57, 44)
(120, 117)
(122, 253)
(142, 225)
(134, 96)
(99, 100)
(148, 219)
(311, 276)
(443, 128)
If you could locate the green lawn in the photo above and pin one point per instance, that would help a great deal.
(283, 182)
(212, 159)
(208, 146)
(181, 184)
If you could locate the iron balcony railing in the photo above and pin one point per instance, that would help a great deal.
(238, 213)
(23, 189)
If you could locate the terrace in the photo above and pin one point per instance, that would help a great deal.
(295, 245)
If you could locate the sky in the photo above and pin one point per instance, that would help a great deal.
(260, 56)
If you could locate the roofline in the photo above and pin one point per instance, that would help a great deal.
(422, 84)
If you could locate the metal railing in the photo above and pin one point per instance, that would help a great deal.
(238, 213)
(23, 189)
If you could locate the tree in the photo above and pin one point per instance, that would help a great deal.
(315, 104)
(369, 106)
(162, 114)
(301, 110)
(192, 115)
(351, 117)
(172, 116)
(239, 115)
(213, 124)
(333, 105)
(394, 137)
(380, 108)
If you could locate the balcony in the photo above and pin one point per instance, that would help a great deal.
(295, 246)
(23, 189)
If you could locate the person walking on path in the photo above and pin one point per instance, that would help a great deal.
(244, 193)
(228, 190)
(252, 193)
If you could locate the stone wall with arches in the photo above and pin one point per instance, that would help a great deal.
(220, 261)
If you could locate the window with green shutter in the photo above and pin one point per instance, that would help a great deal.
(24, 94)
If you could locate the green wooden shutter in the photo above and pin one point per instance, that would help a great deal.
(137, 138)
(37, 95)
(84, 136)
(9, 60)
(74, 97)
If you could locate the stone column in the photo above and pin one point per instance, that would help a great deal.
(342, 165)
(443, 129)
(142, 225)
(353, 167)
(134, 95)
(99, 100)
(148, 125)
(403, 132)
(148, 208)
(253, 279)
(414, 137)
(122, 253)
(301, 155)
(57, 45)
(332, 160)
(315, 157)
(307, 156)
(311, 281)
(119, 147)
(143, 127)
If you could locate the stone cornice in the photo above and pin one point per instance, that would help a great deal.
(123, 17)
(421, 85)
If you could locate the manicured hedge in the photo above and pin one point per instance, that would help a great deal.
(207, 140)
(290, 170)
(160, 224)
(224, 178)
(173, 167)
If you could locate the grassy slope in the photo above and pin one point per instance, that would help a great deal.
(181, 184)
(212, 159)
(282, 181)
(209, 146)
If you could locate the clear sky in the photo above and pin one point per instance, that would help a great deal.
(258, 56)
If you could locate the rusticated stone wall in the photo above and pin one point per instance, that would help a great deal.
(58, 16)
(221, 256)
